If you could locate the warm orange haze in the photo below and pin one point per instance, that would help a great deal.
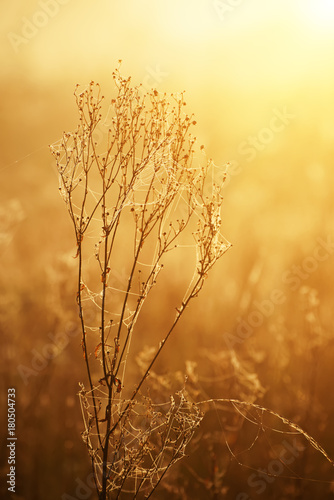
(238, 404)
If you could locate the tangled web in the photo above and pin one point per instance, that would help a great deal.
(145, 440)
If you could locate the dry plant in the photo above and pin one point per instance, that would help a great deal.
(134, 198)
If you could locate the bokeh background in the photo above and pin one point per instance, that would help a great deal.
(259, 77)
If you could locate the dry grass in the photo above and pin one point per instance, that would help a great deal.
(137, 194)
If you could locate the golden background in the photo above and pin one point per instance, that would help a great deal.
(259, 77)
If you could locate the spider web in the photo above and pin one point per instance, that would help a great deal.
(148, 438)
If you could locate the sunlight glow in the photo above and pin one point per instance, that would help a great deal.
(319, 13)
(186, 20)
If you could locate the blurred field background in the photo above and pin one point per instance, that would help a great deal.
(241, 64)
